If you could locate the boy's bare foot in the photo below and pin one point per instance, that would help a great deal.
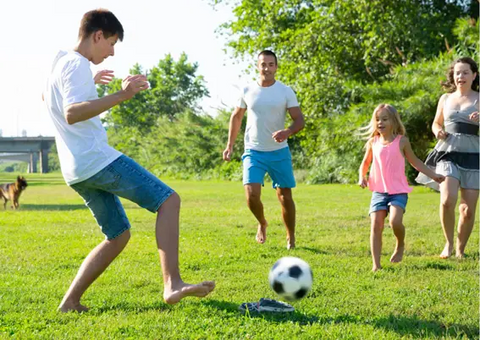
(375, 268)
(447, 252)
(397, 255)
(172, 296)
(72, 307)
(262, 233)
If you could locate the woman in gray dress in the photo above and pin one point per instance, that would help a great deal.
(456, 155)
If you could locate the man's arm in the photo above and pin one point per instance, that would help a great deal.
(79, 112)
(234, 127)
(297, 125)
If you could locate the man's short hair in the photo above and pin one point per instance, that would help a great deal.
(100, 20)
(268, 52)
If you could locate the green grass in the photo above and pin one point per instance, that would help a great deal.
(43, 244)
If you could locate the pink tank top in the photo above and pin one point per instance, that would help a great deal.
(387, 174)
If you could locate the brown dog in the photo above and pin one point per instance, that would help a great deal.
(12, 191)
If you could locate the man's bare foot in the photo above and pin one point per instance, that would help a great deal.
(397, 255)
(447, 252)
(262, 233)
(72, 307)
(375, 268)
(172, 296)
(290, 243)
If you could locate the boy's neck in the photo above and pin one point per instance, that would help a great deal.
(83, 48)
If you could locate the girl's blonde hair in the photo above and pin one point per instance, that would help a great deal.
(397, 126)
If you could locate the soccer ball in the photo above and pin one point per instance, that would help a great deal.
(291, 278)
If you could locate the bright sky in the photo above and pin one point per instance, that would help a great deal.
(33, 31)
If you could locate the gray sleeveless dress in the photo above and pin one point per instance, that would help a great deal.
(458, 155)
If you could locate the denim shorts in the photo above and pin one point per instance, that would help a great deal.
(121, 178)
(278, 164)
(382, 201)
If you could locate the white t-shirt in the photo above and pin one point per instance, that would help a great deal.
(266, 112)
(82, 147)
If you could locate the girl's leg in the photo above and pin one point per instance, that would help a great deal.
(467, 207)
(448, 201)
(377, 219)
(396, 222)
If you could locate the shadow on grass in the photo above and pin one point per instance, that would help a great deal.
(132, 307)
(61, 207)
(402, 325)
(419, 328)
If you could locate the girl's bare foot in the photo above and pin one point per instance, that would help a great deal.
(447, 252)
(460, 255)
(182, 290)
(375, 268)
(262, 233)
(397, 255)
(67, 306)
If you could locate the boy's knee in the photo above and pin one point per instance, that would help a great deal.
(173, 202)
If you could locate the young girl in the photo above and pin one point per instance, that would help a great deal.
(387, 146)
(456, 153)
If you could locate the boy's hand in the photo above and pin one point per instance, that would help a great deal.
(103, 77)
(438, 178)
(131, 85)
(363, 182)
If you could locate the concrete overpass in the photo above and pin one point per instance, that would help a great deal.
(32, 148)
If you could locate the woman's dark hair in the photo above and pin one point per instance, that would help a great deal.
(100, 20)
(449, 85)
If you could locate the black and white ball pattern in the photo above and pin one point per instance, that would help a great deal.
(291, 278)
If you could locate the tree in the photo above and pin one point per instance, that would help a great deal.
(174, 88)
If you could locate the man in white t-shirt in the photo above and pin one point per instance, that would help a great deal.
(98, 172)
(266, 150)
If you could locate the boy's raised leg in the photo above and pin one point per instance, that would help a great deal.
(167, 235)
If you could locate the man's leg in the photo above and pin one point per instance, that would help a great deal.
(167, 234)
(94, 264)
(448, 200)
(288, 214)
(467, 207)
(252, 193)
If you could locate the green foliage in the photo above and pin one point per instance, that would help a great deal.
(174, 88)
(190, 145)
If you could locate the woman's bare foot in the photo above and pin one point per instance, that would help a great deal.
(67, 306)
(397, 255)
(459, 255)
(175, 294)
(447, 252)
(375, 268)
(262, 233)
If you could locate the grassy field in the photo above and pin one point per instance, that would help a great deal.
(43, 244)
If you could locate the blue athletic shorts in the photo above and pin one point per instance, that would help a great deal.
(125, 178)
(278, 164)
(382, 201)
